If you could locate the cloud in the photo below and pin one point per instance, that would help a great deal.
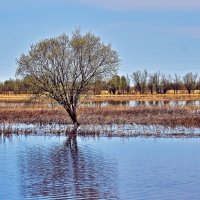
(145, 4)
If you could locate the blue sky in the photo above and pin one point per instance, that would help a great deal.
(154, 35)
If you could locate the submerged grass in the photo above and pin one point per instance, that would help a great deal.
(126, 130)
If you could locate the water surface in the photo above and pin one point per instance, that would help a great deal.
(46, 167)
(134, 103)
(131, 103)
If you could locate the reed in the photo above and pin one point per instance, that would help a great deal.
(188, 116)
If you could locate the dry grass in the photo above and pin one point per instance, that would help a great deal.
(145, 97)
(39, 112)
(106, 97)
(165, 115)
(14, 97)
(170, 116)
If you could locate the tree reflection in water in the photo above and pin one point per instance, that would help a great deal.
(67, 172)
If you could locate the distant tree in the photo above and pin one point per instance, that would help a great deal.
(114, 84)
(112, 89)
(128, 87)
(18, 87)
(150, 83)
(24, 86)
(165, 83)
(9, 86)
(96, 86)
(120, 85)
(28, 87)
(176, 83)
(198, 84)
(189, 81)
(123, 84)
(1, 87)
(156, 82)
(63, 68)
(140, 81)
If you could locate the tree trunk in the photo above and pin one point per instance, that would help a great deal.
(71, 143)
(74, 131)
(73, 116)
(151, 90)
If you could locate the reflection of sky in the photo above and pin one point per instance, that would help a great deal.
(155, 168)
(131, 103)
(141, 103)
(9, 176)
(106, 168)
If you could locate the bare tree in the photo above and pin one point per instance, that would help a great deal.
(189, 81)
(165, 83)
(156, 82)
(96, 86)
(140, 81)
(128, 87)
(150, 83)
(198, 84)
(176, 83)
(63, 67)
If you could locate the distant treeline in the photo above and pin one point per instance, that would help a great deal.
(140, 82)
(16, 86)
(159, 83)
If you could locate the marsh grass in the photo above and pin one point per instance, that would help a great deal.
(188, 116)
(96, 121)
(165, 115)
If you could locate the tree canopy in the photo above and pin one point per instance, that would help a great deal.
(63, 67)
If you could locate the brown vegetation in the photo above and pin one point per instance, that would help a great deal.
(165, 115)
(182, 96)
(146, 97)
(44, 111)
(169, 116)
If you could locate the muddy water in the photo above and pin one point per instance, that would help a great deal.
(46, 167)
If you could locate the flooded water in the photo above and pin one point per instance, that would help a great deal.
(125, 130)
(142, 103)
(46, 167)
(131, 103)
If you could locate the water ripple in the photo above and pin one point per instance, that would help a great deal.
(48, 168)
(60, 172)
